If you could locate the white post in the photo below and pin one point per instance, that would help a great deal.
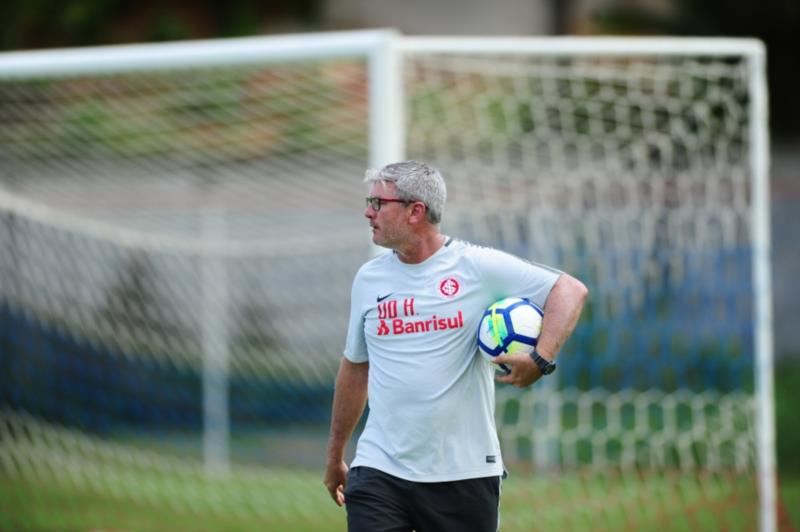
(386, 109)
(215, 349)
(762, 294)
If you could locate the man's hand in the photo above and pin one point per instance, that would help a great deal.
(561, 312)
(524, 370)
(336, 480)
(349, 400)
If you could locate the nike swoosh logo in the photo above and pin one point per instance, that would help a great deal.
(384, 297)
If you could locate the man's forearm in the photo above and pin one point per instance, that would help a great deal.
(561, 313)
(349, 401)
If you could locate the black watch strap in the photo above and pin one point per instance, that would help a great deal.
(545, 366)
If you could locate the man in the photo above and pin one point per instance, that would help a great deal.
(429, 456)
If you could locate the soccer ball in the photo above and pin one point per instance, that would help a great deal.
(511, 325)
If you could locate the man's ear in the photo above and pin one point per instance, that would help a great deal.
(418, 212)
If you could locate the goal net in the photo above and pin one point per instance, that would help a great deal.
(180, 225)
(634, 171)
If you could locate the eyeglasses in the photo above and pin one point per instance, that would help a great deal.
(376, 203)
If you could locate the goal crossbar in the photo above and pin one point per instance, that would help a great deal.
(553, 46)
(188, 54)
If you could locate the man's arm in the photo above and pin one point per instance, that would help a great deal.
(561, 312)
(349, 401)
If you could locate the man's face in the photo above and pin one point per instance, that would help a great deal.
(389, 224)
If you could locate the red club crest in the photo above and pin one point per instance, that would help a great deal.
(449, 287)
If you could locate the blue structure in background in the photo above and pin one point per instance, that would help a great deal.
(696, 335)
(70, 381)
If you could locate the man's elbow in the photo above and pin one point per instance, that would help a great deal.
(576, 289)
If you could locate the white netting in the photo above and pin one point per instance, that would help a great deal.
(118, 191)
(631, 430)
(633, 174)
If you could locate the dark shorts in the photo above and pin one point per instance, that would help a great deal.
(378, 502)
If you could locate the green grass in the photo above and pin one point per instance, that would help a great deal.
(789, 494)
(284, 500)
(296, 501)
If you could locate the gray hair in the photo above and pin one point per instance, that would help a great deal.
(415, 181)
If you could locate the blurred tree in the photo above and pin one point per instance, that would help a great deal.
(776, 22)
(50, 23)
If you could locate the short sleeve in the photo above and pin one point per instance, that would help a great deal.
(355, 349)
(507, 275)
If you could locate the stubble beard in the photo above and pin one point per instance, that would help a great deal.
(387, 239)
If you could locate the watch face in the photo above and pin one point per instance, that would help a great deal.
(546, 367)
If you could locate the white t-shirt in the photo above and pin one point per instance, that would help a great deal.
(431, 395)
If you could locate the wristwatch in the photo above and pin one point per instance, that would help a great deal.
(545, 366)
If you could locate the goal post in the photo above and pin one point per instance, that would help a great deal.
(468, 68)
(762, 292)
(181, 222)
(374, 48)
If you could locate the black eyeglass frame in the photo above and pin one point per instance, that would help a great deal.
(376, 202)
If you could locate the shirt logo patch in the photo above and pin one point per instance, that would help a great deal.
(392, 321)
(449, 286)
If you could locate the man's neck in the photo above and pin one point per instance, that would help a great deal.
(422, 248)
